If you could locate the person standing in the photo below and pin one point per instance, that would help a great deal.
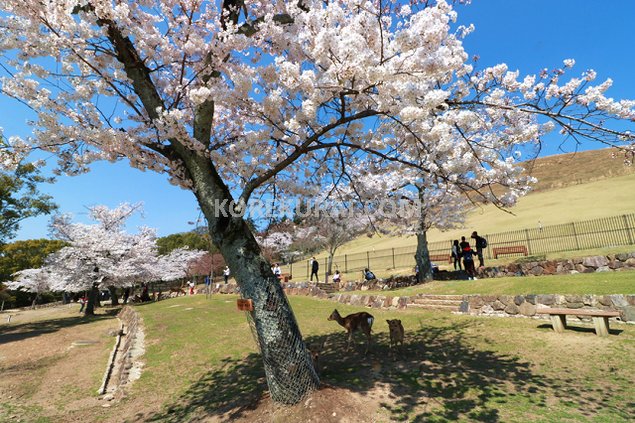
(191, 285)
(276, 270)
(315, 267)
(468, 262)
(456, 254)
(83, 300)
(226, 273)
(480, 243)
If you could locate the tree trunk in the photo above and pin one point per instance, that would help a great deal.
(287, 362)
(329, 265)
(37, 296)
(422, 258)
(93, 299)
(114, 299)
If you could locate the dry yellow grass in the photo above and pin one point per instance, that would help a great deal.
(572, 187)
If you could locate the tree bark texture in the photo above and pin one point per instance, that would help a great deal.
(288, 365)
(93, 298)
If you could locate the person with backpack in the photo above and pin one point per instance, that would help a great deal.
(368, 275)
(480, 243)
(468, 262)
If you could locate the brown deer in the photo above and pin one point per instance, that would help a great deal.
(357, 321)
(396, 332)
(315, 351)
(177, 290)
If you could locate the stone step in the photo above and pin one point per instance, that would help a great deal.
(441, 297)
(327, 287)
(455, 303)
(434, 307)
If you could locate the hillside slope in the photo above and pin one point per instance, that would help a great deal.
(571, 187)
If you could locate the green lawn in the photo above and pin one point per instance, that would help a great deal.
(202, 363)
(601, 283)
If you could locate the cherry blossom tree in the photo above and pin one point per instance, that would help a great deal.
(37, 281)
(176, 264)
(236, 98)
(102, 253)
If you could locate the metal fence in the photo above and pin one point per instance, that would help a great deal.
(597, 233)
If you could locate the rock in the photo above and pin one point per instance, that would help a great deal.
(628, 313)
(536, 271)
(605, 300)
(575, 305)
(486, 309)
(531, 298)
(497, 305)
(506, 299)
(630, 299)
(108, 397)
(580, 268)
(464, 307)
(476, 302)
(573, 298)
(616, 264)
(548, 299)
(595, 261)
(618, 300)
(527, 309)
(603, 269)
(511, 309)
(519, 299)
(621, 257)
(590, 300)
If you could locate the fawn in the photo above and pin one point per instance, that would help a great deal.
(396, 332)
(361, 321)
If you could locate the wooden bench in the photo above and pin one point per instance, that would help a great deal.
(441, 258)
(559, 318)
(512, 249)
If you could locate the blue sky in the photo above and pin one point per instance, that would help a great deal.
(528, 36)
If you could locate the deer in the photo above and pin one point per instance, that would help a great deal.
(177, 290)
(361, 321)
(396, 332)
(315, 351)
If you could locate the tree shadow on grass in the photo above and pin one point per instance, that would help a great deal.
(228, 391)
(438, 375)
(23, 331)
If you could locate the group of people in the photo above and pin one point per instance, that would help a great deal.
(464, 251)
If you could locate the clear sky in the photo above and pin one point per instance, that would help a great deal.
(527, 35)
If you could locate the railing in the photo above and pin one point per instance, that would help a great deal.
(596, 233)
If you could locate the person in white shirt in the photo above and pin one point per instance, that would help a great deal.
(226, 273)
(336, 277)
(276, 270)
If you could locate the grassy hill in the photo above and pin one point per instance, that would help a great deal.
(571, 187)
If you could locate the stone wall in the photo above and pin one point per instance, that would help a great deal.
(526, 305)
(608, 263)
(127, 366)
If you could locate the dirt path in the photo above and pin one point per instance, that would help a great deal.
(52, 361)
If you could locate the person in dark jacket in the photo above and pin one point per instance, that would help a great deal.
(456, 254)
(315, 267)
(468, 262)
(479, 243)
